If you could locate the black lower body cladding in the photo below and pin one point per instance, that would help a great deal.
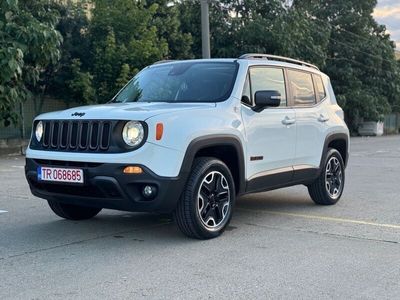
(106, 186)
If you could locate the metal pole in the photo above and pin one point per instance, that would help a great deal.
(205, 29)
(23, 132)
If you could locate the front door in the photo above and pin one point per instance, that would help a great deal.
(271, 133)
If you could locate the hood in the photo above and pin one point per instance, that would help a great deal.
(139, 111)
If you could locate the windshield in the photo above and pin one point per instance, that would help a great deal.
(181, 82)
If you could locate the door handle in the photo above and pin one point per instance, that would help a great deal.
(322, 118)
(288, 121)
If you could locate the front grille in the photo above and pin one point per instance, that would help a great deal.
(70, 135)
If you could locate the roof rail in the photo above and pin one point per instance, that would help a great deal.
(276, 57)
(163, 61)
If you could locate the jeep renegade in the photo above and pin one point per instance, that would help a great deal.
(189, 137)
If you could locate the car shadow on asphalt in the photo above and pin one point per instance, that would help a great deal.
(294, 198)
(127, 229)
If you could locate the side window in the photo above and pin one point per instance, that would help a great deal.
(302, 88)
(246, 95)
(268, 79)
(319, 86)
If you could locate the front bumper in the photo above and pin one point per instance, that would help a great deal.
(106, 186)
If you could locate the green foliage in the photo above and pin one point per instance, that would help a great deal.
(29, 43)
(239, 27)
(80, 85)
(73, 65)
(359, 57)
(167, 22)
(122, 32)
(341, 37)
(125, 75)
(107, 49)
(100, 53)
(305, 39)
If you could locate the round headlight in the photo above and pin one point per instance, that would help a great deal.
(39, 131)
(133, 133)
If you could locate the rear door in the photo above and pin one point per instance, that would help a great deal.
(271, 133)
(306, 93)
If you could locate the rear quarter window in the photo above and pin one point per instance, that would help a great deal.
(319, 87)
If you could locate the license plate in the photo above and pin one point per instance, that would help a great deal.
(60, 175)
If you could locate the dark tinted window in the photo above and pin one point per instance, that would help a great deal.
(181, 82)
(268, 79)
(302, 88)
(319, 86)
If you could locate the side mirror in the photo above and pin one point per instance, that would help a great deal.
(264, 99)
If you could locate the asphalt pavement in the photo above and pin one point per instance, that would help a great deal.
(279, 244)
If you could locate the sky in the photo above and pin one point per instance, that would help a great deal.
(388, 13)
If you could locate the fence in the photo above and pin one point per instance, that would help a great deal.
(392, 124)
(14, 138)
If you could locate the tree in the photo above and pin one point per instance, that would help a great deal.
(74, 64)
(119, 39)
(29, 43)
(80, 85)
(304, 39)
(222, 44)
(124, 76)
(167, 21)
(359, 57)
(341, 37)
(258, 26)
(122, 32)
(250, 26)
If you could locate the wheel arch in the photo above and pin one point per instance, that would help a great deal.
(227, 148)
(338, 141)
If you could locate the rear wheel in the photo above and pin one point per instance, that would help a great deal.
(73, 212)
(205, 207)
(328, 187)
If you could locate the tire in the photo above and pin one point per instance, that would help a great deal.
(328, 187)
(73, 212)
(206, 205)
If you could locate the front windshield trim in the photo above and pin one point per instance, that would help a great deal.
(223, 98)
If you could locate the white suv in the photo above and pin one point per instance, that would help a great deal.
(189, 137)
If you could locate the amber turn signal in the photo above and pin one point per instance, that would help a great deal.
(159, 131)
(133, 170)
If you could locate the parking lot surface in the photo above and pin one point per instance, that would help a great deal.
(279, 244)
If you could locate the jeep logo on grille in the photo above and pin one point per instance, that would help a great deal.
(78, 114)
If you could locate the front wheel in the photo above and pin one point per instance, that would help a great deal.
(73, 212)
(206, 205)
(328, 187)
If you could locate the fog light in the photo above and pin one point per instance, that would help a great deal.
(149, 191)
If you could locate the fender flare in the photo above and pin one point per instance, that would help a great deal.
(211, 141)
(332, 137)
